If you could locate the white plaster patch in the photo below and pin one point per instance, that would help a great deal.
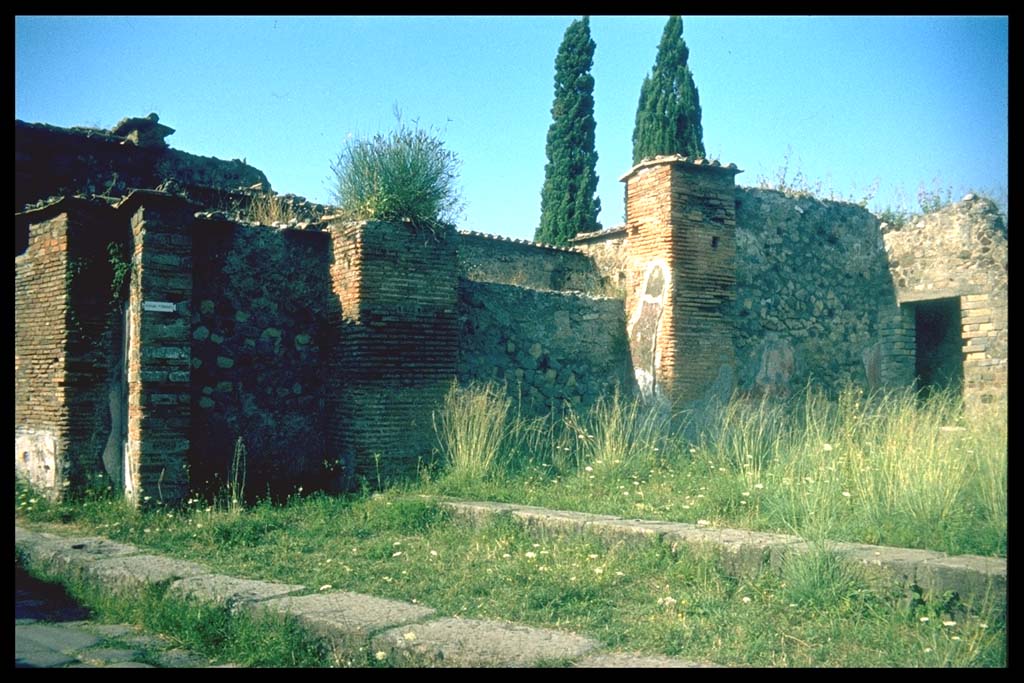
(35, 457)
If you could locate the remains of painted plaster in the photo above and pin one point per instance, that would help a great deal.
(645, 327)
(682, 214)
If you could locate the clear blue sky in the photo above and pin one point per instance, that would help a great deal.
(907, 101)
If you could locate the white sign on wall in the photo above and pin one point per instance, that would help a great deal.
(158, 306)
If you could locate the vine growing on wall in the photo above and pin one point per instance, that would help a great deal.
(121, 267)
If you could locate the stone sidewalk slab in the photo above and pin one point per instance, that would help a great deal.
(230, 592)
(138, 571)
(347, 619)
(974, 578)
(742, 553)
(60, 554)
(625, 660)
(745, 553)
(452, 642)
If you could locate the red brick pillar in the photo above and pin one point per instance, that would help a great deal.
(681, 241)
(63, 343)
(398, 345)
(159, 347)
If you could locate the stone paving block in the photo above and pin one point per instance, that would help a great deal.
(617, 529)
(742, 553)
(474, 643)
(180, 659)
(66, 640)
(67, 556)
(111, 630)
(625, 660)
(553, 520)
(43, 660)
(37, 550)
(477, 511)
(23, 535)
(885, 566)
(137, 571)
(108, 655)
(347, 619)
(976, 579)
(229, 591)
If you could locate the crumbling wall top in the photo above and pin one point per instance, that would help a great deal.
(709, 164)
(144, 132)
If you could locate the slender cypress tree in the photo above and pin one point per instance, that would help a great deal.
(569, 202)
(668, 115)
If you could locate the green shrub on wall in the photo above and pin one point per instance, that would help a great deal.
(405, 175)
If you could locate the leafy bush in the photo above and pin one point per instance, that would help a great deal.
(406, 174)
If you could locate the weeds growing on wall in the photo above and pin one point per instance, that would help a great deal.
(236, 480)
(404, 175)
(790, 179)
(268, 208)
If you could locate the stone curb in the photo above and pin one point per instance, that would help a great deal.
(347, 620)
(976, 579)
(400, 633)
(453, 642)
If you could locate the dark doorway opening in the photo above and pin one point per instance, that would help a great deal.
(939, 362)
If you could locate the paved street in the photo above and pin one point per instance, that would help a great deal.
(52, 631)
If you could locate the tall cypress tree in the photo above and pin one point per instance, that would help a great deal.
(668, 115)
(569, 202)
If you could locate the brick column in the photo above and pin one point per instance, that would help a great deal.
(398, 345)
(159, 347)
(63, 344)
(681, 241)
(898, 340)
(983, 319)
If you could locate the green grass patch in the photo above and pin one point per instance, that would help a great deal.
(637, 596)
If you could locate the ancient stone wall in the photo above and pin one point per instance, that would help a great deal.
(812, 283)
(51, 161)
(486, 258)
(959, 253)
(607, 250)
(549, 349)
(260, 327)
(149, 337)
(398, 346)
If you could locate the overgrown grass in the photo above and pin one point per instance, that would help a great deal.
(472, 429)
(887, 469)
(636, 596)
